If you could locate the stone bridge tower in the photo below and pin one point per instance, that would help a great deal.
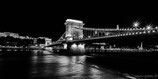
(72, 29)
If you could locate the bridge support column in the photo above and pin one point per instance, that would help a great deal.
(74, 48)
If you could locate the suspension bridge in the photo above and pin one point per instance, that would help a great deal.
(75, 32)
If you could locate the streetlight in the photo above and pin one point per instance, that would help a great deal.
(149, 26)
(136, 24)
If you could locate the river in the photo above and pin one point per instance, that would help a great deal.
(53, 66)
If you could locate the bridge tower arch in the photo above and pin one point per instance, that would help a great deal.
(72, 29)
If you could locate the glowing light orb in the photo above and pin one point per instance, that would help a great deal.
(149, 26)
(136, 24)
(74, 46)
(153, 30)
(140, 32)
(144, 32)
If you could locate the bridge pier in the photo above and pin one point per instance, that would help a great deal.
(75, 48)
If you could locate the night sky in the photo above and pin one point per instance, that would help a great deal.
(48, 19)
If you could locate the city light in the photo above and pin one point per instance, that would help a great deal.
(144, 28)
(149, 26)
(140, 32)
(136, 32)
(144, 32)
(74, 46)
(153, 30)
(136, 24)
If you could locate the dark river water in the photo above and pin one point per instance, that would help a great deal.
(52, 66)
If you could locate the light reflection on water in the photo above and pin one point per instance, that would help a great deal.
(66, 67)
(51, 66)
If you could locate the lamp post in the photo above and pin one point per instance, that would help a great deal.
(136, 24)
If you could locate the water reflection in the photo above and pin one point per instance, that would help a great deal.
(52, 66)
(131, 69)
(66, 67)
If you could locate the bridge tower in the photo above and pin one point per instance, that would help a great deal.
(72, 29)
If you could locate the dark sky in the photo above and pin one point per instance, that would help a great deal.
(48, 19)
